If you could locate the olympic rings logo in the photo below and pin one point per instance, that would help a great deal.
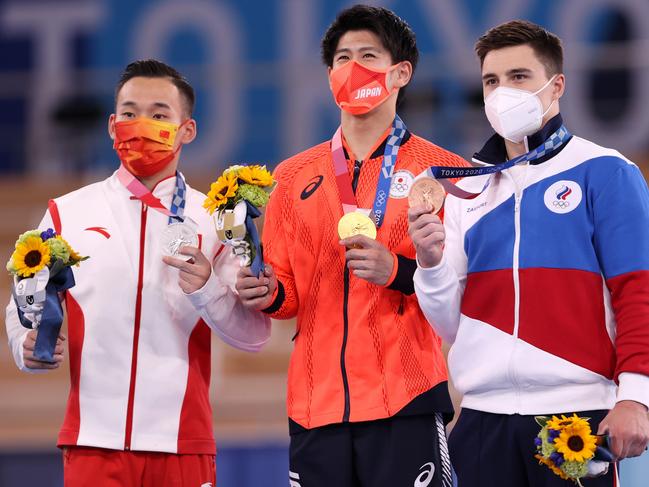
(561, 204)
(563, 196)
(380, 198)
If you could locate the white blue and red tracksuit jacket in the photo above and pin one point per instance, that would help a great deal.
(543, 290)
(138, 347)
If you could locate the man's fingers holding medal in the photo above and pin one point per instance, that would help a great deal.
(193, 273)
(427, 233)
(256, 292)
(360, 242)
(368, 259)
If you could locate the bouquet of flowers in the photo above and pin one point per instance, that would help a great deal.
(40, 265)
(236, 197)
(567, 446)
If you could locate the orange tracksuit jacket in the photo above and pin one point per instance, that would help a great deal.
(362, 352)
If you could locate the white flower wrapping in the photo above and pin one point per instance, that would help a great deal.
(231, 230)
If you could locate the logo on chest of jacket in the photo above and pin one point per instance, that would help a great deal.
(311, 187)
(401, 183)
(426, 476)
(562, 196)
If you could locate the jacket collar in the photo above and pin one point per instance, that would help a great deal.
(163, 190)
(494, 151)
(380, 149)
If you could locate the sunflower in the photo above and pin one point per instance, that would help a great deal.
(30, 256)
(225, 187)
(256, 175)
(576, 441)
(550, 464)
(558, 423)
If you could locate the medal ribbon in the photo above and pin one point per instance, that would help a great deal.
(348, 199)
(441, 173)
(141, 192)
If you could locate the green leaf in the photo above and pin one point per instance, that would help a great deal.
(542, 420)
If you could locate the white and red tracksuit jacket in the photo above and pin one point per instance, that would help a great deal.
(543, 289)
(139, 348)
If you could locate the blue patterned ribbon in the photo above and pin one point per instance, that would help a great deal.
(442, 173)
(392, 145)
(257, 264)
(51, 316)
(177, 208)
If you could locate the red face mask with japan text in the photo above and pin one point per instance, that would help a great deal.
(358, 89)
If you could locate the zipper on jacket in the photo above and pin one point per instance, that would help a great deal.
(518, 196)
(344, 346)
(136, 331)
(343, 368)
(515, 261)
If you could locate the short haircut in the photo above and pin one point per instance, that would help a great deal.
(545, 44)
(395, 34)
(152, 68)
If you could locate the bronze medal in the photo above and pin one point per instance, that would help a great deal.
(427, 192)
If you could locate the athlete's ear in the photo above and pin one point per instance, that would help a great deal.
(111, 126)
(402, 74)
(189, 130)
(558, 86)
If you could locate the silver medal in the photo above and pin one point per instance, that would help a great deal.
(176, 235)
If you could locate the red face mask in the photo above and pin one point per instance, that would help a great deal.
(145, 146)
(358, 89)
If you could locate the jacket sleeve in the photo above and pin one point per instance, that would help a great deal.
(439, 289)
(621, 241)
(222, 310)
(277, 249)
(402, 275)
(16, 333)
(404, 268)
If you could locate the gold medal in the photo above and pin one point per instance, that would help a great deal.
(427, 192)
(355, 223)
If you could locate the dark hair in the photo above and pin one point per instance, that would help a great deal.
(152, 68)
(395, 34)
(546, 45)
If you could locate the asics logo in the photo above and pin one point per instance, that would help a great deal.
(311, 187)
(426, 476)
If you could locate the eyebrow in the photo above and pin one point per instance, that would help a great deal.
(510, 72)
(362, 49)
(158, 104)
